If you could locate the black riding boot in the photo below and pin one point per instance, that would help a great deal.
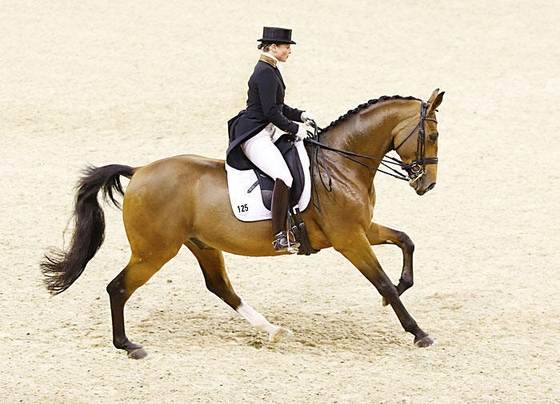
(280, 201)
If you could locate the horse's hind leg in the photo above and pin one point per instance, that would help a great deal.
(378, 234)
(211, 262)
(135, 274)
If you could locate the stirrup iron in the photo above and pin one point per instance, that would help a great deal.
(282, 243)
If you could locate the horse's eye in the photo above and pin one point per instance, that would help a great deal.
(433, 137)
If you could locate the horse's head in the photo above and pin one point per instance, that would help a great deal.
(416, 143)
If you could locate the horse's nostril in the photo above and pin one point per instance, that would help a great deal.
(431, 186)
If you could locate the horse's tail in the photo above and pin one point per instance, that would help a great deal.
(62, 268)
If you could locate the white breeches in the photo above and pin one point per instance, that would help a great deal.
(263, 153)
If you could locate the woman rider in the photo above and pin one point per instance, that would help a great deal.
(253, 131)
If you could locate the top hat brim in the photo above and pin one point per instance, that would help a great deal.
(272, 40)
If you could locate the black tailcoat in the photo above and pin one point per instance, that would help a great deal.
(265, 104)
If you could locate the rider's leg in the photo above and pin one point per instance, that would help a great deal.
(264, 154)
(280, 200)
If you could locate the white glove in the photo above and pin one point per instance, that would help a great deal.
(307, 118)
(302, 133)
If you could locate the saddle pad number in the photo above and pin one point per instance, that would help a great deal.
(243, 208)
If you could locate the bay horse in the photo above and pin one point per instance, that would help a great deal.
(183, 200)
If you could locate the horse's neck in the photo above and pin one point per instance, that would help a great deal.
(369, 132)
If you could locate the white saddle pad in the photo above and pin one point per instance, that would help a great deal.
(245, 197)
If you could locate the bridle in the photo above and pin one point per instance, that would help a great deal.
(415, 170)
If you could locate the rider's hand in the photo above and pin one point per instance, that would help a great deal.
(307, 118)
(302, 133)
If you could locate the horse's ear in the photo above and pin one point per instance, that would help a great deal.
(435, 100)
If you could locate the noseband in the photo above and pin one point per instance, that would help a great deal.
(417, 168)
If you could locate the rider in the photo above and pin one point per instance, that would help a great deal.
(253, 130)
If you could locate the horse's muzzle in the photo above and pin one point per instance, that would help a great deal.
(430, 187)
(420, 189)
(422, 182)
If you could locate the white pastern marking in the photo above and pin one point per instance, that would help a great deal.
(252, 316)
(257, 320)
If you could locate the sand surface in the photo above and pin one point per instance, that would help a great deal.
(131, 82)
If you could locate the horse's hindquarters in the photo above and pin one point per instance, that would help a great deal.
(186, 198)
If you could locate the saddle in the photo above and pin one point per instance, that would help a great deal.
(250, 191)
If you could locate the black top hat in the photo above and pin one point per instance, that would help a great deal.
(277, 35)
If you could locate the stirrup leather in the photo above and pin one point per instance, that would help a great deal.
(282, 243)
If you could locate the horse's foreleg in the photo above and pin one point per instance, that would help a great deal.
(362, 256)
(217, 281)
(378, 234)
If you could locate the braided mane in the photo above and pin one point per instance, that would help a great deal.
(364, 106)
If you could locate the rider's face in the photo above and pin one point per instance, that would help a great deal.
(281, 51)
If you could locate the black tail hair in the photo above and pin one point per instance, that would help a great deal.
(62, 268)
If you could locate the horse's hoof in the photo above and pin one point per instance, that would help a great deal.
(280, 334)
(425, 342)
(138, 353)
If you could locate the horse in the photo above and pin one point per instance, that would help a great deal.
(184, 201)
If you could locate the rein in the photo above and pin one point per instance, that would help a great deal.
(415, 170)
